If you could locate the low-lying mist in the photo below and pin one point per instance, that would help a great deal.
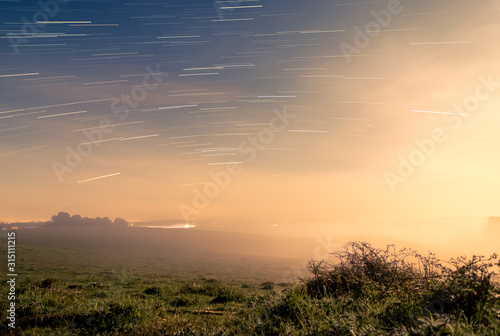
(278, 253)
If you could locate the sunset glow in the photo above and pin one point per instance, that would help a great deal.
(252, 114)
(250, 167)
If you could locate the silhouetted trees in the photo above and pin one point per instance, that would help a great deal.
(120, 222)
(61, 218)
(74, 220)
(23, 225)
(65, 219)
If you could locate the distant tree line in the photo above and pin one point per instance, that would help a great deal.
(65, 219)
(32, 224)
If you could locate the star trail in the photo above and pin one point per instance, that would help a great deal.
(248, 111)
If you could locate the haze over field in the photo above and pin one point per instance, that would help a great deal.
(250, 167)
(281, 118)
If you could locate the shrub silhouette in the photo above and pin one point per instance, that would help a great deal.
(415, 283)
(362, 270)
(469, 288)
(399, 292)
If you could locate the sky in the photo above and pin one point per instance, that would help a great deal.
(249, 112)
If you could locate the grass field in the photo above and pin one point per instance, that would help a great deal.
(82, 283)
(50, 251)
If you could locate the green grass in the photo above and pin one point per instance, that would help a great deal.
(153, 306)
(366, 291)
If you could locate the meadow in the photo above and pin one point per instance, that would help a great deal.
(82, 282)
